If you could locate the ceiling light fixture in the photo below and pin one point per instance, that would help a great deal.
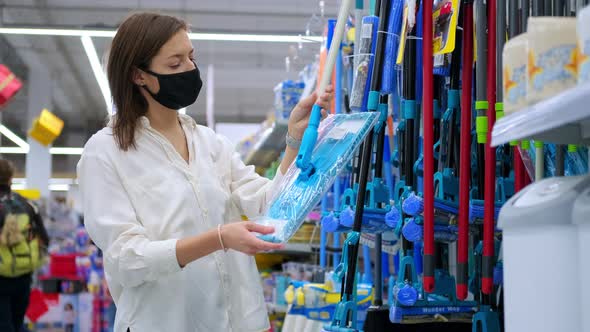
(14, 138)
(53, 151)
(66, 151)
(99, 74)
(23, 146)
(13, 150)
(52, 187)
(229, 37)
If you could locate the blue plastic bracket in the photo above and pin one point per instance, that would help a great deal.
(409, 107)
(382, 109)
(340, 271)
(487, 319)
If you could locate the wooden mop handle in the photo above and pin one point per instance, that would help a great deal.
(335, 45)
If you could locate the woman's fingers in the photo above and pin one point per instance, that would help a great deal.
(267, 246)
(253, 227)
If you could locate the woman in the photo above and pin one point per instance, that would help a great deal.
(163, 197)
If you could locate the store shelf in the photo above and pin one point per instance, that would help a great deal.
(275, 308)
(562, 119)
(269, 147)
(293, 249)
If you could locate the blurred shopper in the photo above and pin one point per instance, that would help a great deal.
(23, 247)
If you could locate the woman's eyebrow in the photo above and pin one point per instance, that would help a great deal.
(180, 55)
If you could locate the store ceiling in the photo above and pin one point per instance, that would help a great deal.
(245, 72)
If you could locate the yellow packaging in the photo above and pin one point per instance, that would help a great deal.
(46, 128)
(445, 18)
(30, 194)
(402, 41)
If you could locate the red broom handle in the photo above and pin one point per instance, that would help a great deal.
(465, 155)
(490, 159)
(518, 180)
(428, 105)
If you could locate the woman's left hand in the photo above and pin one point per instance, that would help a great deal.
(300, 115)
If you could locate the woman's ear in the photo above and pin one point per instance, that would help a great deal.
(138, 77)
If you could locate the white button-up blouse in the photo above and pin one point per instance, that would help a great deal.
(138, 203)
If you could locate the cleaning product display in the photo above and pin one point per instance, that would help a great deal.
(446, 188)
(514, 58)
(551, 44)
(584, 46)
(422, 207)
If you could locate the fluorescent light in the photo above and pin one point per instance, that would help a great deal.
(62, 181)
(57, 32)
(19, 186)
(23, 147)
(59, 187)
(52, 187)
(14, 137)
(55, 184)
(253, 38)
(53, 151)
(66, 151)
(231, 37)
(99, 74)
(11, 150)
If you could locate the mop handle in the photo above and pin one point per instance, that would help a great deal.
(465, 155)
(335, 45)
(490, 159)
(539, 161)
(428, 177)
(515, 30)
(358, 18)
(310, 135)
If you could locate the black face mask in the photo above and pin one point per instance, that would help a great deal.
(177, 90)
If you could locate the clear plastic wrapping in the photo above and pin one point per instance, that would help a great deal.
(576, 160)
(339, 136)
(363, 64)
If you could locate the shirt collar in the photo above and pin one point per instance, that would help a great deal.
(144, 122)
(184, 119)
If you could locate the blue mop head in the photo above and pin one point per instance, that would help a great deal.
(476, 210)
(413, 205)
(339, 137)
(330, 223)
(407, 295)
(389, 77)
(347, 217)
(393, 217)
(412, 231)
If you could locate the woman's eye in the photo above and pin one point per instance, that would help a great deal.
(175, 66)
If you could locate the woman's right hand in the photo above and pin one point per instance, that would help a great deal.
(239, 236)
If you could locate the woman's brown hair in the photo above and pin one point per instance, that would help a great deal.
(137, 41)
